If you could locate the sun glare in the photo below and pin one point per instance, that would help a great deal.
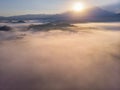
(78, 6)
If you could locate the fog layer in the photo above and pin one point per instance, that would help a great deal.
(88, 59)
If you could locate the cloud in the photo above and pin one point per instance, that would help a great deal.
(88, 59)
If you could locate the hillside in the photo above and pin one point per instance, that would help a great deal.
(113, 7)
(90, 15)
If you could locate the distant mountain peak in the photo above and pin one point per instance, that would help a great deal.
(113, 7)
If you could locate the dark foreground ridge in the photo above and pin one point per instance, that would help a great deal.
(5, 28)
(51, 26)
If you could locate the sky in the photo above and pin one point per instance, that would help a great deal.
(20, 7)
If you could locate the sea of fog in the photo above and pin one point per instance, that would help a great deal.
(88, 59)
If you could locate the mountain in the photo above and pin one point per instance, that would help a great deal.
(2, 18)
(89, 15)
(113, 7)
(30, 16)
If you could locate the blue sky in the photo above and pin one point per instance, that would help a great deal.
(19, 7)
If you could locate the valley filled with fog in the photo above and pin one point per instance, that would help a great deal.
(83, 56)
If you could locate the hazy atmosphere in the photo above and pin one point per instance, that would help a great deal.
(60, 60)
(20, 7)
(76, 49)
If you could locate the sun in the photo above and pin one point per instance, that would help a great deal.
(78, 6)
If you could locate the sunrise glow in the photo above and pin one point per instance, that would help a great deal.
(78, 6)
